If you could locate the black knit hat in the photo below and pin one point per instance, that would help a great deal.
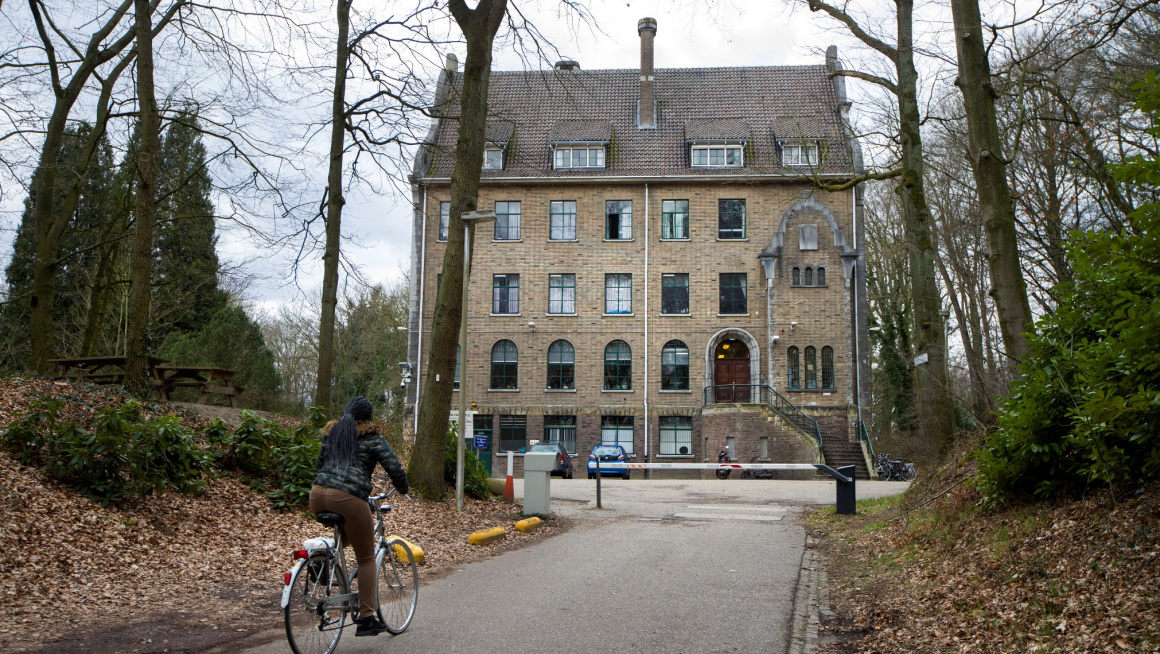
(360, 409)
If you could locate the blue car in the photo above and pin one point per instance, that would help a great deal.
(613, 461)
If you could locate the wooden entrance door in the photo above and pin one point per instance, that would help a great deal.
(731, 372)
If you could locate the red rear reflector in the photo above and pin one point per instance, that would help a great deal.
(591, 457)
(299, 554)
(286, 579)
(620, 458)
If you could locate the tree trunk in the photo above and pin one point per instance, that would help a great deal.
(479, 27)
(334, 204)
(985, 153)
(936, 411)
(141, 264)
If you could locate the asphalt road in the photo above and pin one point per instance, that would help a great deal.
(665, 566)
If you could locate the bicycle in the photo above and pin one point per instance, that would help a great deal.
(894, 469)
(317, 599)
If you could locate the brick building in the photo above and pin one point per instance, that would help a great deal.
(662, 272)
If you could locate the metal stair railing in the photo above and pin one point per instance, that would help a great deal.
(763, 394)
(865, 438)
(791, 412)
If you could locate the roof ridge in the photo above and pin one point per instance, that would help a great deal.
(680, 69)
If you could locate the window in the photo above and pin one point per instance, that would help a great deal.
(507, 221)
(458, 358)
(675, 293)
(504, 366)
(811, 368)
(562, 293)
(618, 220)
(562, 223)
(730, 156)
(617, 366)
(676, 436)
(579, 157)
(793, 374)
(675, 219)
(513, 433)
(561, 366)
(675, 366)
(505, 294)
(493, 159)
(821, 276)
(733, 293)
(807, 237)
(618, 293)
(828, 368)
(444, 219)
(561, 429)
(617, 430)
(794, 154)
(809, 278)
(797, 276)
(481, 426)
(730, 219)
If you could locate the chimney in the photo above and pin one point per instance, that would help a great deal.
(647, 111)
(567, 64)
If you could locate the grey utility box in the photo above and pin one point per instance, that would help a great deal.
(538, 468)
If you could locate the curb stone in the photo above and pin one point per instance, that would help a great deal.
(811, 602)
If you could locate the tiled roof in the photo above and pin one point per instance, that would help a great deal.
(766, 104)
(499, 131)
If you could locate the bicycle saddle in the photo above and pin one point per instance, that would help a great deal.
(330, 519)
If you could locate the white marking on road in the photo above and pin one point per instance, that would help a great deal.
(739, 507)
(729, 516)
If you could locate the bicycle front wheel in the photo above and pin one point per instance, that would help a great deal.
(909, 473)
(312, 625)
(398, 586)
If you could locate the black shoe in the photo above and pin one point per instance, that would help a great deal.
(369, 626)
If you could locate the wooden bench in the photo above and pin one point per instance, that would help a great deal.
(99, 370)
(209, 380)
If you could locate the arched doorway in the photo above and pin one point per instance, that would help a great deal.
(731, 371)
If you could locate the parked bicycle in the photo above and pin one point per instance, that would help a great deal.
(317, 599)
(757, 474)
(889, 469)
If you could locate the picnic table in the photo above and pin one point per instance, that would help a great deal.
(208, 379)
(100, 370)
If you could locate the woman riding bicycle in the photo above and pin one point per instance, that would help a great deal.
(350, 449)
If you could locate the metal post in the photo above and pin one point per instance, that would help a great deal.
(468, 237)
(846, 498)
(598, 482)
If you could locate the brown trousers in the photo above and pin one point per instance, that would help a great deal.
(359, 531)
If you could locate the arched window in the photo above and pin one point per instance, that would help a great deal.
(828, 368)
(617, 366)
(561, 366)
(792, 370)
(675, 366)
(811, 368)
(809, 280)
(821, 276)
(504, 365)
(797, 276)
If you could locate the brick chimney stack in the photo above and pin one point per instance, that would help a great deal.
(647, 112)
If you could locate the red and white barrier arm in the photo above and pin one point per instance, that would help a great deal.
(717, 466)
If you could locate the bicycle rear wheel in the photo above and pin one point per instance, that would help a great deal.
(312, 627)
(398, 586)
(909, 473)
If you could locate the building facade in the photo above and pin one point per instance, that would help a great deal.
(664, 272)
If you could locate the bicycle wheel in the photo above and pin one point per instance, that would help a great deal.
(311, 626)
(723, 473)
(909, 473)
(398, 586)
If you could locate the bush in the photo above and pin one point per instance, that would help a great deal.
(475, 481)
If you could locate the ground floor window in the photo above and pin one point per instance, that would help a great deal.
(617, 430)
(513, 433)
(561, 429)
(676, 436)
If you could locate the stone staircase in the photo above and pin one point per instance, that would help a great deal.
(840, 452)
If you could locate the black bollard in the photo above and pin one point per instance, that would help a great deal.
(846, 498)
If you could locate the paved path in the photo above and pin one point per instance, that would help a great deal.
(666, 566)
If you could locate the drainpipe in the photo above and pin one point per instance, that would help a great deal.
(647, 350)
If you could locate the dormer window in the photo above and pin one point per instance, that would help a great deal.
(578, 156)
(725, 155)
(493, 158)
(799, 154)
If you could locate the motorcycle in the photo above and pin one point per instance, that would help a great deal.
(723, 457)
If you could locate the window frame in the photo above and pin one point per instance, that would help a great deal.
(729, 207)
(731, 155)
(808, 276)
(618, 370)
(820, 276)
(722, 289)
(674, 373)
(566, 294)
(589, 150)
(507, 222)
(506, 290)
(558, 220)
(509, 425)
(792, 369)
(827, 368)
(810, 365)
(669, 224)
(563, 377)
(796, 159)
(671, 293)
(621, 224)
(796, 277)
(492, 149)
(620, 288)
(619, 426)
(564, 424)
(509, 370)
(670, 430)
(444, 221)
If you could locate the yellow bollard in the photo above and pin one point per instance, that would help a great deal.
(487, 536)
(528, 524)
(416, 551)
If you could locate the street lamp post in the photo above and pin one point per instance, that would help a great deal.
(469, 219)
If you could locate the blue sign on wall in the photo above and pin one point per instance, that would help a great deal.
(481, 442)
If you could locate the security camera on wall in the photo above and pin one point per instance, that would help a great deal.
(776, 338)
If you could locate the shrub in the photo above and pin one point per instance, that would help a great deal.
(475, 481)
